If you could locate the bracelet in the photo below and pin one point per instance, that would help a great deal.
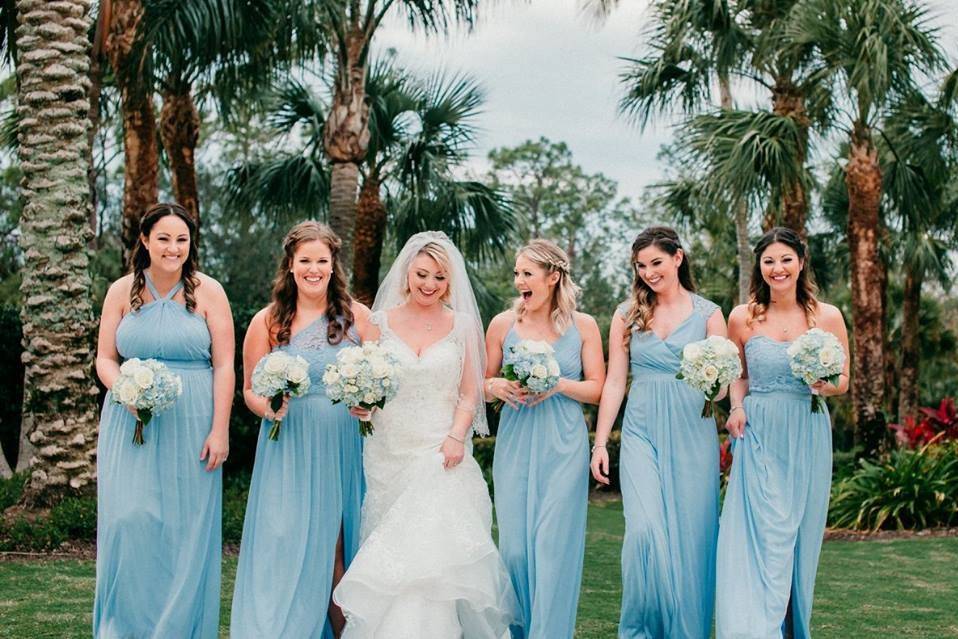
(598, 446)
(734, 408)
(454, 438)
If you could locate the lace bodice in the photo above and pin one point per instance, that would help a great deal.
(651, 355)
(768, 369)
(312, 345)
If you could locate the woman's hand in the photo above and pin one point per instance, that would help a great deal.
(823, 388)
(360, 413)
(600, 465)
(279, 415)
(453, 451)
(531, 399)
(502, 389)
(735, 424)
(216, 449)
(132, 410)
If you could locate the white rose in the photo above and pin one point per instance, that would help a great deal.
(380, 368)
(129, 366)
(554, 369)
(298, 372)
(276, 363)
(331, 376)
(349, 370)
(538, 347)
(350, 388)
(351, 355)
(126, 392)
(540, 371)
(826, 357)
(386, 383)
(710, 373)
(692, 351)
(143, 377)
(370, 398)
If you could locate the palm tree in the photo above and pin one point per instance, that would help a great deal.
(873, 50)
(692, 44)
(59, 404)
(352, 26)
(420, 133)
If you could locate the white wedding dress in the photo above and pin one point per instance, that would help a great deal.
(427, 567)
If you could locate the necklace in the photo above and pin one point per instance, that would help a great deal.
(428, 326)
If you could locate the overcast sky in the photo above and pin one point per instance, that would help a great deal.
(550, 71)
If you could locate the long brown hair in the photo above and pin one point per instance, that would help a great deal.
(760, 294)
(548, 256)
(339, 312)
(140, 257)
(642, 308)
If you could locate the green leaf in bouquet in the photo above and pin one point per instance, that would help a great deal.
(276, 402)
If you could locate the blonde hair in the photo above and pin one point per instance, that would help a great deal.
(552, 259)
(439, 254)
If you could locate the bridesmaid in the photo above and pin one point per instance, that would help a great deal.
(302, 518)
(775, 507)
(541, 456)
(159, 504)
(668, 462)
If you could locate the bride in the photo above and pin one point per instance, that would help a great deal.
(427, 566)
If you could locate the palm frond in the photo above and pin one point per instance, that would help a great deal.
(283, 187)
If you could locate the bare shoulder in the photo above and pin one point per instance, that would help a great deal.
(119, 292)
(360, 311)
(830, 315)
(585, 323)
(209, 288)
(738, 316)
(260, 321)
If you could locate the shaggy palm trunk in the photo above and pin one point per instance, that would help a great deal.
(346, 138)
(789, 102)
(863, 179)
(180, 131)
(59, 403)
(140, 149)
(368, 240)
(908, 373)
(740, 211)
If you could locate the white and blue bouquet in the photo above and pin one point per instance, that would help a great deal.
(532, 363)
(363, 376)
(148, 386)
(816, 355)
(277, 375)
(708, 365)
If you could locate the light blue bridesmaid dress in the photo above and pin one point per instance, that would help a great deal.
(541, 475)
(776, 503)
(669, 473)
(158, 509)
(306, 487)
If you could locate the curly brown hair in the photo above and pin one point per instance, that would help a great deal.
(760, 294)
(642, 307)
(339, 312)
(140, 257)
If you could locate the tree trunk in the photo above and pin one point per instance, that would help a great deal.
(140, 149)
(346, 138)
(740, 211)
(5, 471)
(788, 101)
(368, 241)
(96, 87)
(908, 396)
(864, 181)
(180, 132)
(59, 403)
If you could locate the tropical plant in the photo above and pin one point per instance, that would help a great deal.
(871, 51)
(907, 490)
(59, 407)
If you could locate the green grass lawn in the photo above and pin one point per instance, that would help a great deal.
(902, 588)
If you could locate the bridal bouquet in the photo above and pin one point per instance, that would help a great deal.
(533, 364)
(279, 374)
(708, 365)
(816, 355)
(363, 376)
(148, 386)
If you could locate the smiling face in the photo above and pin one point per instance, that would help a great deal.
(428, 282)
(780, 266)
(168, 244)
(312, 268)
(536, 285)
(658, 269)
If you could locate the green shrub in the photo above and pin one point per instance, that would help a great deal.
(235, 492)
(11, 489)
(76, 518)
(905, 490)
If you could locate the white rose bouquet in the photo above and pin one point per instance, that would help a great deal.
(363, 376)
(533, 365)
(816, 355)
(708, 365)
(149, 387)
(279, 374)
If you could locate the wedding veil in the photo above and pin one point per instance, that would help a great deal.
(462, 301)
